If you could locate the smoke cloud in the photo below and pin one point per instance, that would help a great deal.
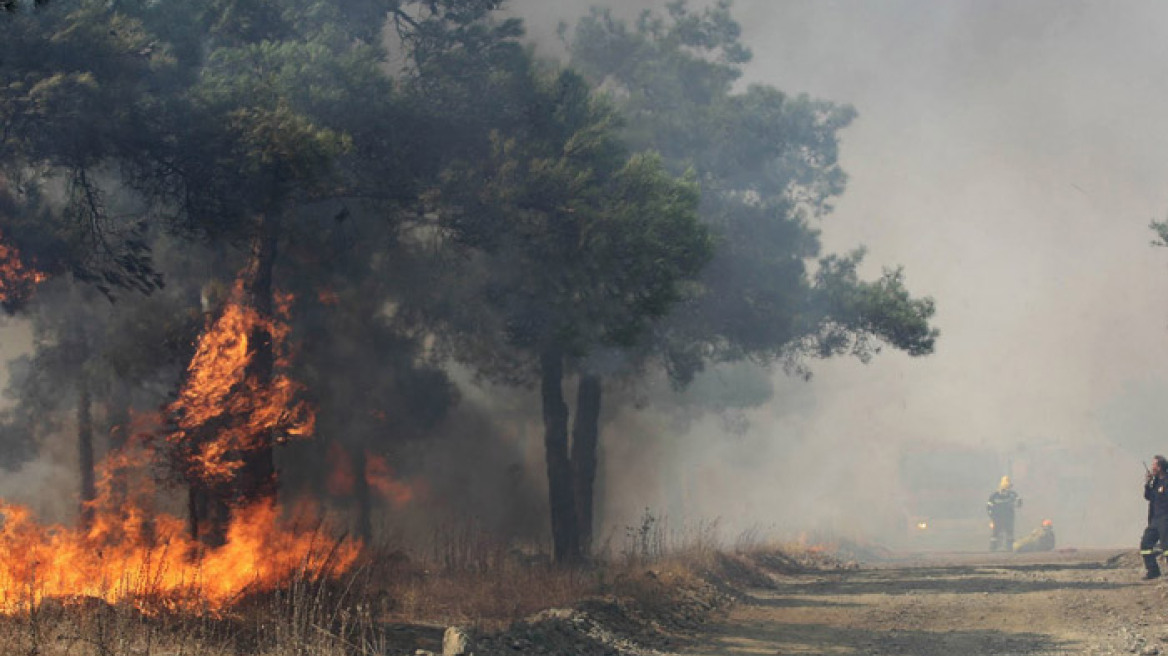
(1010, 156)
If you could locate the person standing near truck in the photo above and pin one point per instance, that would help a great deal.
(1001, 508)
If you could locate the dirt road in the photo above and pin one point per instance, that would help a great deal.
(1067, 602)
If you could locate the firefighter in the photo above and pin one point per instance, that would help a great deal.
(1040, 539)
(1001, 511)
(1151, 545)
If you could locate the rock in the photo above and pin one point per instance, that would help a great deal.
(455, 642)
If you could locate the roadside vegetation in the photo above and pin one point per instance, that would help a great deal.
(655, 593)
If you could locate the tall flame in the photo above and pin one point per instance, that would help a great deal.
(219, 392)
(130, 551)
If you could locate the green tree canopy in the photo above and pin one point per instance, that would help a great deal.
(572, 245)
(77, 80)
(767, 164)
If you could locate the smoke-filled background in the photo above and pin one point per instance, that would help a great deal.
(1010, 157)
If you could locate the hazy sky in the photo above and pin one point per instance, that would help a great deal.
(1010, 156)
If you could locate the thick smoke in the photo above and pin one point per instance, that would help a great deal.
(1010, 156)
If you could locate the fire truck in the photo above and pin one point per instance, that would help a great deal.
(942, 495)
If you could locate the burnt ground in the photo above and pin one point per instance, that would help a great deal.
(1064, 602)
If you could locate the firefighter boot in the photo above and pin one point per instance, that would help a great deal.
(1152, 567)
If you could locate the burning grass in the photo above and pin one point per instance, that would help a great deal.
(390, 601)
(126, 552)
(132, 579)
(383, 604)
(130, 553)
(306, 614)
(159, 568)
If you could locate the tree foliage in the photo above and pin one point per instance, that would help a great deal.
(428, 192)
(768, 166)
(77, 80)
(573, 246)
(583, 244)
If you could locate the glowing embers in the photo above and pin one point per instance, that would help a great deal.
(16, 278)
(231, 405)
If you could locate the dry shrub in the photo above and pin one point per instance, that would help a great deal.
(655, 538)
(488, 599)
(82, 627)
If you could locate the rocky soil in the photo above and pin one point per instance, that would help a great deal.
(659, 608)
(1065, 602)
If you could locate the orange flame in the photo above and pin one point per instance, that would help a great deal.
(219, 391)
(129, 551)
(380, 477)
(132, 554)
(16, 278)
(378, 474)
(816, 544)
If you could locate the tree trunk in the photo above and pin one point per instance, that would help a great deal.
(119, 418)
(85, 451)
(585, 437)
(362, 497)
(196, 510)
(207, 515)
(565, 530)
(120, 431)
(257, 479)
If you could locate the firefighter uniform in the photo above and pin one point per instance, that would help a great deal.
(1001, 511)
(1156, 534)
(1040, 539)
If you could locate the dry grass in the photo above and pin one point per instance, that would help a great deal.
(463, 577)
(489, 599)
